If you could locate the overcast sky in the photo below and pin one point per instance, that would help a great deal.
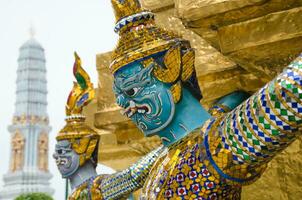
(62, 26)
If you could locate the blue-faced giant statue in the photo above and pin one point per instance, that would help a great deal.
(209, 155)
(76, 151)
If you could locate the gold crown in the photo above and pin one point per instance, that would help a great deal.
(83, 139)
(140, 38)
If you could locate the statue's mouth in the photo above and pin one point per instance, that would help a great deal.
(136, 108)
(61, 161)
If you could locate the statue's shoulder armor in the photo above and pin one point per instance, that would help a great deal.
(79, 192)
(89, 190)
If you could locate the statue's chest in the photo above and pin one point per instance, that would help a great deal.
(183, 174)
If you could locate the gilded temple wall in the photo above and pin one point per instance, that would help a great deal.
(240, 45)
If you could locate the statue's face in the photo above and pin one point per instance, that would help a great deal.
(67, 160)
(145, 100)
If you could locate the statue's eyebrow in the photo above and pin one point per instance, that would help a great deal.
(58, 146)
(116, 88)
(63, 145)
(129, 81)
(126, 83)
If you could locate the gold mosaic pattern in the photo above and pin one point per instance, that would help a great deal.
(243, 141)
(124, 182)
(82, 138)
(142, 38)
(172, 61)
(176, 92)
(89, 188)
(125, 8)
(137, 44)
(188, 60)
(171, 72)
(224, 159)
(183, 174)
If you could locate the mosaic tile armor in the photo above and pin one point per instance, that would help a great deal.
(233, 149)
(118, 185)
(183, 174)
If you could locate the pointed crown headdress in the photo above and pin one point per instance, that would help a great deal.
(83, 138)
(140, 38)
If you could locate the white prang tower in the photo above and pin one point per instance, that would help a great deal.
(28, 168)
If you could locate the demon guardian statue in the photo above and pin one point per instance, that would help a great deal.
(207, 156)
(76, 152)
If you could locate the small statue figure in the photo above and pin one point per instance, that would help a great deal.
(17, 152)
(76, 152)
(207, 157)
(43, 152)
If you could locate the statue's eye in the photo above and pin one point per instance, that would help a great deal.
(61, 151)
(132, 92)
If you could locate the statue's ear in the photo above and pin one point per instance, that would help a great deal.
(172, 61)
(80, 145)
(188, 61)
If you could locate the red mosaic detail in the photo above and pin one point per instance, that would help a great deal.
(180, 177)
(191, 161)
(195, 188)
(209, 185)
(193, 174)
(205, 172)
(168, 193)
(181, 191)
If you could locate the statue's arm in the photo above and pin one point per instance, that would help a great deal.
(228, 102)
(257, 130)
(120, 184)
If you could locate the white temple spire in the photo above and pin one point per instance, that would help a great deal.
(30, 127)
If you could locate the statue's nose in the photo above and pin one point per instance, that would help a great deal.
(55, 156)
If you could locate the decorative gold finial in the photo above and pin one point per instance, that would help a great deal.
(82, 92)
(83, 139)
(125, 8)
